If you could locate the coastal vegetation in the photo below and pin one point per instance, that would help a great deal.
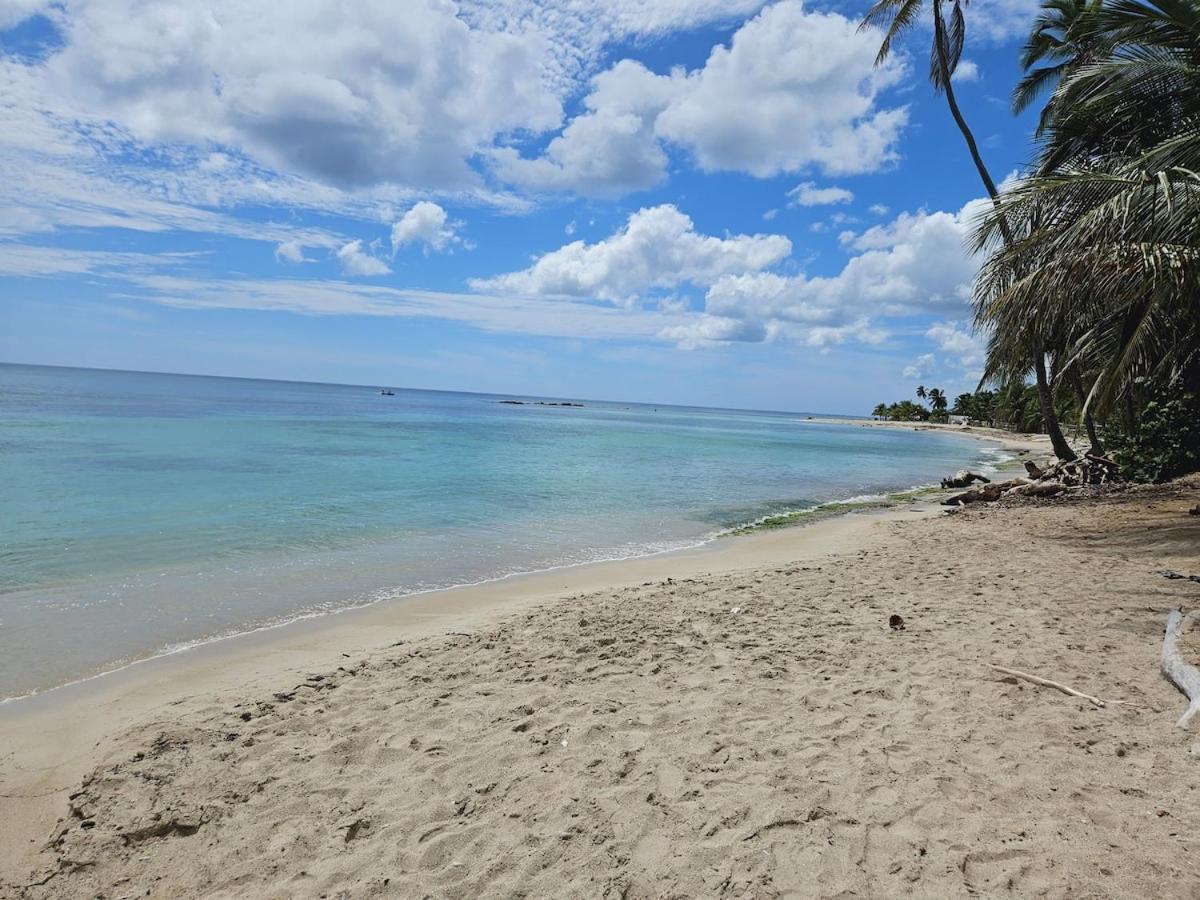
(1090, 259)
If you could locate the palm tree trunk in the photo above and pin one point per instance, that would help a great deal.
(1088, 422)
(1045, 398)
(1046, 402)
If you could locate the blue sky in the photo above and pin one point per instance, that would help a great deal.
(713, 202)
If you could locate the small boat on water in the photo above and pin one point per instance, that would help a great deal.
(388, 393)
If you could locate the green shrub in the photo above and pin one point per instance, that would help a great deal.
(1163, 444)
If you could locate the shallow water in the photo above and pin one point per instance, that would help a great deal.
(143, 512)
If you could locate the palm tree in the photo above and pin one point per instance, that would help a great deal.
(899, 16)
(1107, 229)
(880, 411)
(937, 399)
(921, 392)
(1064, 38)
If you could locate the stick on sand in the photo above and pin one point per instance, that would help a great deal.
(1046, 682)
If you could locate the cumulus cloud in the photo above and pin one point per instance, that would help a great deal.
(921, 367)
(914, 265)
(794, 90)
(357, 261)
(808, 194)
(290, 252)
(706, 330)
(609, 149)
(425, 223)
(658, 247)
(958, 342)
(351, 95)
(878, 209)
(967, 70)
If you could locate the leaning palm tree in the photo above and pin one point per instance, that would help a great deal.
(897, 17)
(1107, 230)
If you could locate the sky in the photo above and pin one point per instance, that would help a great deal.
(708, 202)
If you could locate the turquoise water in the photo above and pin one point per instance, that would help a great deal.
(143, 512)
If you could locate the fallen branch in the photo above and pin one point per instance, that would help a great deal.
(1046, 682)
(1182, 674)
(962, 478)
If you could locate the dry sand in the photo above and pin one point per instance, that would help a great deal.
(651, 741)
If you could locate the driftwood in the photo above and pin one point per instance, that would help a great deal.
(986, 494)
(1091, 468)
(1046, 682)
(1183, 674)
(962, 478)
(1057, 477)
(1040, 489)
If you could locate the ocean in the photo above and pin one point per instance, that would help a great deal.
(142, 513)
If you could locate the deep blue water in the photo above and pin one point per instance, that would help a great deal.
(144, 511)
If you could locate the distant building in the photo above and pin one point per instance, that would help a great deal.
(960, 420)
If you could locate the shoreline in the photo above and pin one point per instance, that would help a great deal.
(52, 736)
(806, 517)
(737, 720)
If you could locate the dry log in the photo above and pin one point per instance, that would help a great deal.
(1040, 489)
(1182, 673)
(1034, 470)
(979, 495)
(1046, 682)
(963, 478)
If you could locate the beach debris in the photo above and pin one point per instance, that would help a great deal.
(1184, 675)
(735, 611)
(1091, 468)
(1195, 510)
(1046, 682)
(962, 478)
(353, 828)
(1040, 489)
(896, 622)
(1175, 576)
(1048, 481)
(987, 494)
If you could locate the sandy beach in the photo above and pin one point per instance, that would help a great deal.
(734, 721)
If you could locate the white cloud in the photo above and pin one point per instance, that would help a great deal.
(860, 330)
(920, 368)
(793, 90)
(357, 261)
(609, 149)
(913, 265)
(706, 330)
(426, 223)
(878, 209)
(808, 194)
(290, 252)
(1000, 20)
(350, 95)
(154, 113)
(956, 341)
(13, 12)
(658, 247)
(527, 315)
(967, 70)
